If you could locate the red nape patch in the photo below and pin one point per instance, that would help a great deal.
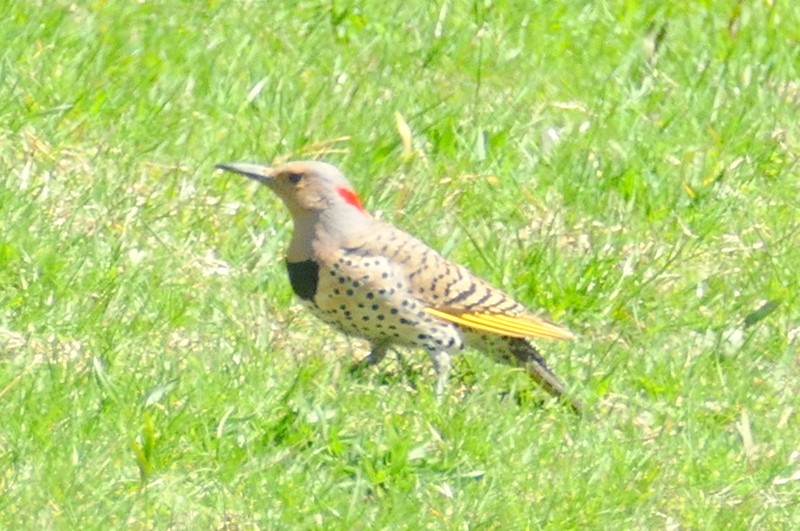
(351, 198)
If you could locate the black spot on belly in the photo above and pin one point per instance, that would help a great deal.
(304, 277)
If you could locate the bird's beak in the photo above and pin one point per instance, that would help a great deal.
(257, 172)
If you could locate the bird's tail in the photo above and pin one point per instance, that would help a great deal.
(520, 353)
(528, 357)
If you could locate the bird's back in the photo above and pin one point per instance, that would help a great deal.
(448, 290)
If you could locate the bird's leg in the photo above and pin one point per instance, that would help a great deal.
(373, 358)
(441, 364)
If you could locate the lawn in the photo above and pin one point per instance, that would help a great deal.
(628, 169)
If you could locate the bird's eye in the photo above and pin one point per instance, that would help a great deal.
(295, 178)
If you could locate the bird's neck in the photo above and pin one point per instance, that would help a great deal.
(318, 233)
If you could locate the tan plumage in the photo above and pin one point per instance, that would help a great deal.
(373, 280)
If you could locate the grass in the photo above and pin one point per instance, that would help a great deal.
(629, 169)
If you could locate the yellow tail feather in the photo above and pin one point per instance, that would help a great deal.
(507, 325)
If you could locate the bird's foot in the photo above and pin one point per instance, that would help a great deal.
(373, 358)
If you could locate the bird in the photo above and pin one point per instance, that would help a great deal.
(372, 280)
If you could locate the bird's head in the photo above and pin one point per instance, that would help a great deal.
(306, 187)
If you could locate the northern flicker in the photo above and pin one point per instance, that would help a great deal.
(372, 280)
